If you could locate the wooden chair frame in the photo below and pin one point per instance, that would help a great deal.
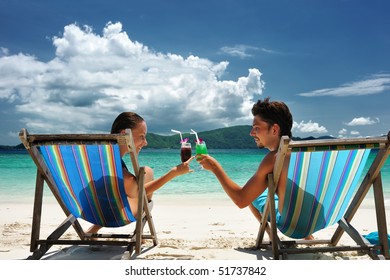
(372, 178)
(132, 241)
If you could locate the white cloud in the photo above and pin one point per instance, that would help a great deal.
(244, 51)
(240, 51)
(309, 127)
(373, 85)
(95, 77)
(4, 51)
(343, 131)
(363, 121)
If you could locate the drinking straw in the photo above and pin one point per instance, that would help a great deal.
(196, 135)
(177, 131)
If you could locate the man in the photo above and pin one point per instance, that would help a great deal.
(271, 121)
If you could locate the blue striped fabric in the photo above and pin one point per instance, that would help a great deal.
(90, 182)
(319, 188)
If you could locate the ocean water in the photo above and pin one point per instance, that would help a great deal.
(18, 173)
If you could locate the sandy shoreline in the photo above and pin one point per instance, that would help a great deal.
(188, 228)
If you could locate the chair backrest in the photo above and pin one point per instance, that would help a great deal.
(319, 188)
(321, 181)
(84, 173)
(90, 182)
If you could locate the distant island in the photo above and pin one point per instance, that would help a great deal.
(235, 137)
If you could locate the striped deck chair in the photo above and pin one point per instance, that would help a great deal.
(84, 173)
(322, 189)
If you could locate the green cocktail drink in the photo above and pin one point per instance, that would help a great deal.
(201, 148)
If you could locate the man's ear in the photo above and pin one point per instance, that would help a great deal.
(275, 129)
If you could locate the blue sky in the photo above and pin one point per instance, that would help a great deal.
(72, 66)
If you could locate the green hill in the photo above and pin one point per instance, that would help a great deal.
(11, 148)
(235, 137)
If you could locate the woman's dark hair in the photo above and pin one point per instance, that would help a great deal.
(274, 112)
(125, 120)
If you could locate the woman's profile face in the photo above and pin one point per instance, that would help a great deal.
(139, 135)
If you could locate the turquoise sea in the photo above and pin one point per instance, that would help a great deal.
(17, 173)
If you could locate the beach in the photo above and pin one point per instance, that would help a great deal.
(188, 228)
(199, 230)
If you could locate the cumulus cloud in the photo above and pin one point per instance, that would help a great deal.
(94, 77)
(342, 133)
(363, 121)
(373, 85)
(309, 127)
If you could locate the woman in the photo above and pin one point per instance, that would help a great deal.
(138, 128)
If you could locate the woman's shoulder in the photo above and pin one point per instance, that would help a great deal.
(127, 174)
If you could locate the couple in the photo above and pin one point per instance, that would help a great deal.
(271, 120)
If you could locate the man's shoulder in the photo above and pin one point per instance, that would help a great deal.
(270, 156)
(268, 162)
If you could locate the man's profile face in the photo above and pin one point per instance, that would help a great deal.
(260, 130)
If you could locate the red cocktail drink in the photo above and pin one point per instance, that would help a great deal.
(185, 151)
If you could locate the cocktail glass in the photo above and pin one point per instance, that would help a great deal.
(185, 151)
(201, 148)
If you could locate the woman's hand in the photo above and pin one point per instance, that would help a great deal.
(183, 168)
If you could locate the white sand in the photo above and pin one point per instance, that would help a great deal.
(188, 228)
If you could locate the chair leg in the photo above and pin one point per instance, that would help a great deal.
(46, 244)
(37, 212)
(149, 219)
(353, 233)
(138, 226)
(263, 228)
(269, 227)
(381, 216)
(271, 204)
